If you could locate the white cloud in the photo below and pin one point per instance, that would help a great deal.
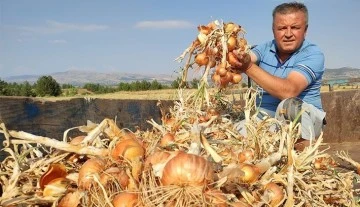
(164, 24)
(57, 41)
(53, 27)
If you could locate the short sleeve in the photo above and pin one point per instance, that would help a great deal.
(259, 50)
(310, 63)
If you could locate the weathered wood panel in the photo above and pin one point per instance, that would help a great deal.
(51, 119)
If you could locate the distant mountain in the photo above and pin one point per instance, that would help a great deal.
(341, 73)
(78, 78)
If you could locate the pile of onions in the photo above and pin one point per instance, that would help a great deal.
(187, 170)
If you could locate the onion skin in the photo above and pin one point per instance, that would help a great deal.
(125, 199)
(187, 170)
(56, 187)
(55, 170)
(94, 166)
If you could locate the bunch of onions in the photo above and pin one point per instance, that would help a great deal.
(92, 167)
(128, 149)
(187, 170)
(125, 199)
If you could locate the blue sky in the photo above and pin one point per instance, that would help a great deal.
(40, 37)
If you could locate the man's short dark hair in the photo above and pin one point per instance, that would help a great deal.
(291, 7)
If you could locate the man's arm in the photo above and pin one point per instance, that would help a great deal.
(281, 88)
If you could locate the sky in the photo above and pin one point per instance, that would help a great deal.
(41, 37)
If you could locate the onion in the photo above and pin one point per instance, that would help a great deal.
(236, 78)
(251, 173)
(213, 112)
(216, 78)
(231, 43)
(157, 157)
(73, 158)
(231, 28)
(204, 29)
(203, 119)
(202, 59)
(221, 70)
(242, 43)
(128, 149)
(92, 167)
(55, 170)
(231, 58)
(187, 169)
(167, 139)
(114, 174)
(246, 155)
(71, 199)
(125, 199)
(275, 193)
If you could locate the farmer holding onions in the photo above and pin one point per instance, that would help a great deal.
(288, 72)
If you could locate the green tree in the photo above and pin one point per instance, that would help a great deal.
(47, 86)
(3, 88)
(194, 83)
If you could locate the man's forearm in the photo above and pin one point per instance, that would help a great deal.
(277, 87)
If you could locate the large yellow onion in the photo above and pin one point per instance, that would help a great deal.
(92, 167)
(128, 149)
(187, 169)
(125, 199)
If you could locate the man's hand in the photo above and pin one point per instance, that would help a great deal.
(240, 60)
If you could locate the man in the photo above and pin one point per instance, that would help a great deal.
(288, 71)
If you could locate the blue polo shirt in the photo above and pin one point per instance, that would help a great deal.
(308, 60)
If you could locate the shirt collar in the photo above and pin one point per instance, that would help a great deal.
(273, 46)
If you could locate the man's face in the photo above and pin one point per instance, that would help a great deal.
(289, 31)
